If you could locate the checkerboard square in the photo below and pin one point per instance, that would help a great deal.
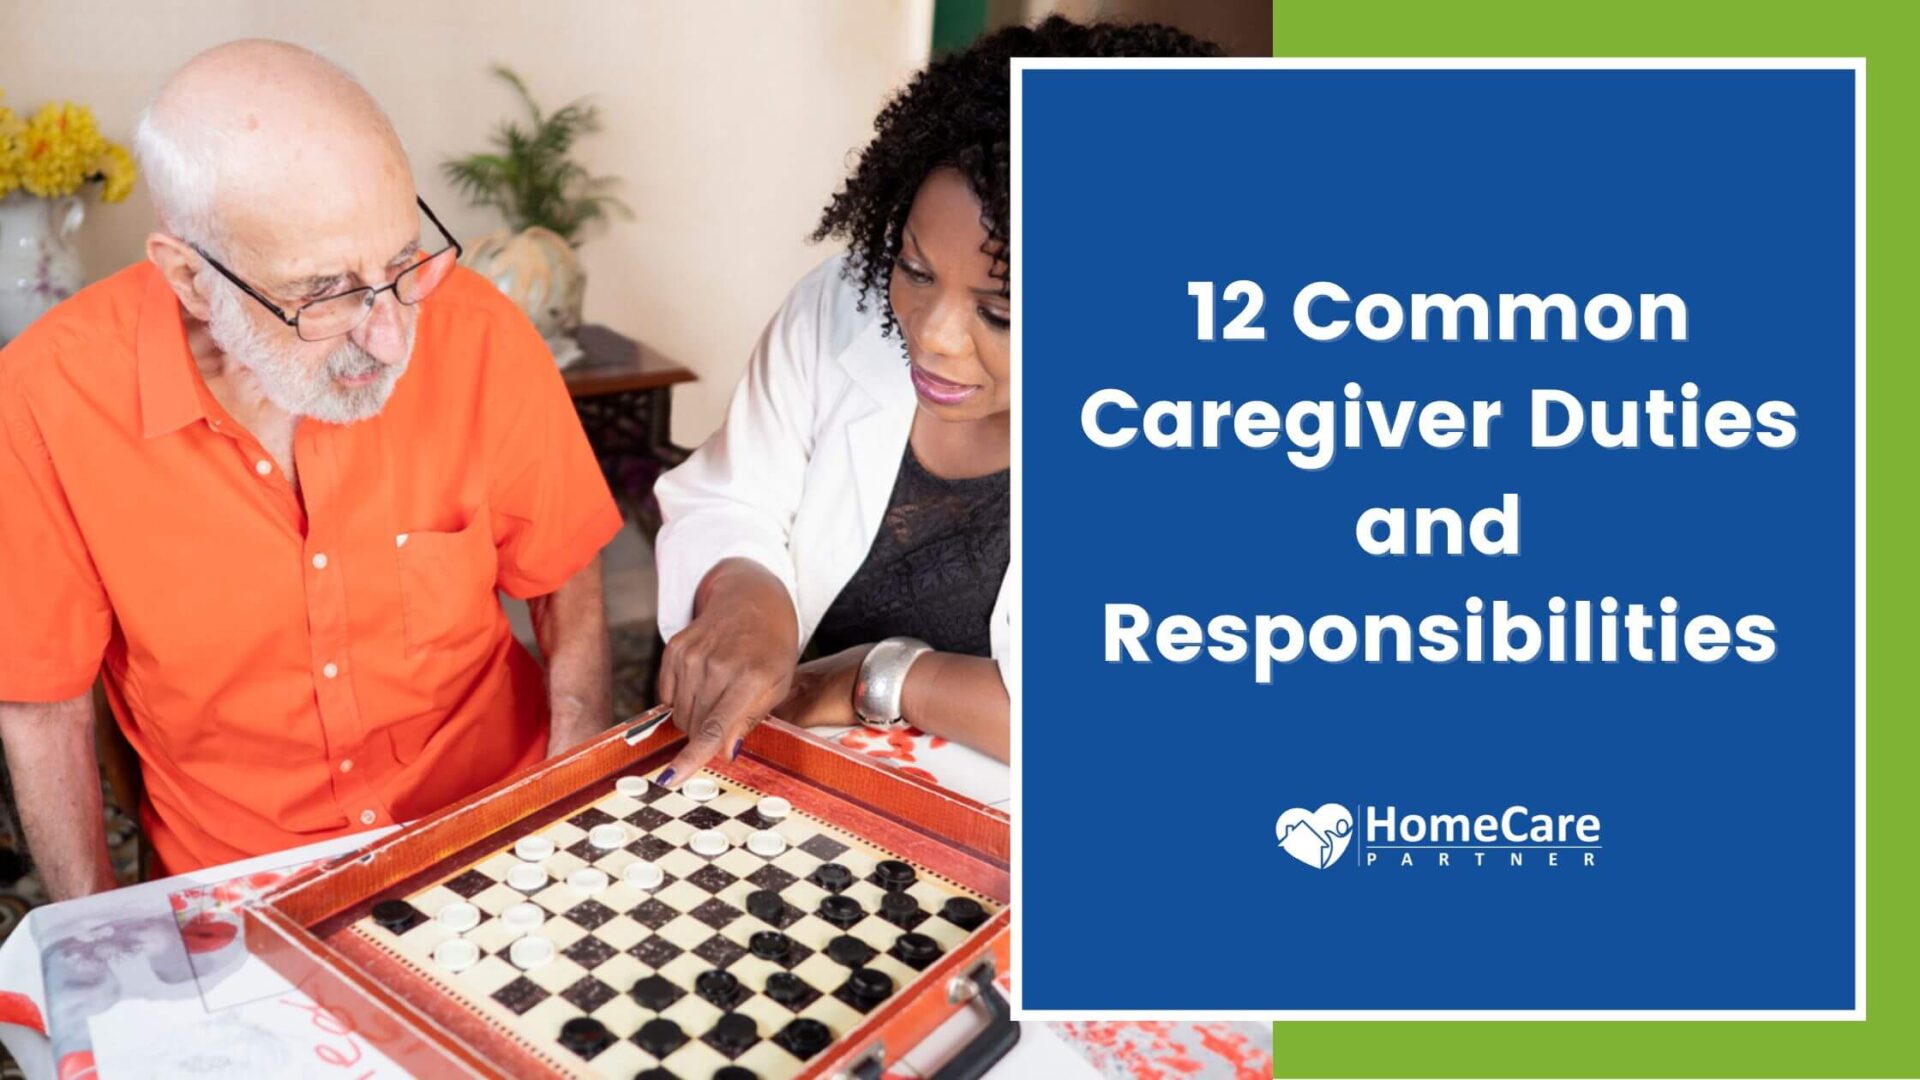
(822, 846)
(470, 884)
(653, 914)
(771, 877)
(719, 951)
(711, 878)
(716, 913)
(588, 818)
(590, 952)
(703, 817)
(650, 848)
(588, 994)
(590, 914)
(520, 995)
(647, 819)
(654, 951)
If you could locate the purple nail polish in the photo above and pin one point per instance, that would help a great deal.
(737, 744)
(664, 778)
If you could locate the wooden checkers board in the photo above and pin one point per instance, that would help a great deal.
(567, 923)
(664, 940)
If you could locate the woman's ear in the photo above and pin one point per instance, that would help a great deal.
(179, 264)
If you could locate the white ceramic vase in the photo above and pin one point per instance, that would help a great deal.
(38, 264)
(542, 274)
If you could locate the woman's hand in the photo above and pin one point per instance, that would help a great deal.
(731, 665)
(822, 693)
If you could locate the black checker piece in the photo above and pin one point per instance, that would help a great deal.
(963, 912)
(733, 1034)
(786, 988)
(893, 875)
(656, 992)
(841, 911)
(832, 877)
(849, 951)
(720, 989)
(804, 1037)
(865, 988)
(660, 1037)
(585, 1036)
(915, 950)
(902, 910)
(397, 916)
(771, 908)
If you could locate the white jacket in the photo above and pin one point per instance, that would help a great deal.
(798, 477)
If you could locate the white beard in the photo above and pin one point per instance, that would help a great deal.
(292, 386)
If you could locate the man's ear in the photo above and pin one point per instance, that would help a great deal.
(179, 264)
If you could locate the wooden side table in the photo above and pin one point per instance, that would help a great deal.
(623, 391)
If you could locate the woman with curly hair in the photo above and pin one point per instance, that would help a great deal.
(855, 503)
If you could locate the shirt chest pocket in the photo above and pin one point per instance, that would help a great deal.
(447, 582)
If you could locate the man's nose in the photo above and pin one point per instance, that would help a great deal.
(384, 333)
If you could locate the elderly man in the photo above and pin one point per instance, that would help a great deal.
(266, 484)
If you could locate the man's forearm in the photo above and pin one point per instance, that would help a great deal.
(571, 625)
(56, 782)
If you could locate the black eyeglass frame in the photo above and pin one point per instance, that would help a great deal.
(393, 286)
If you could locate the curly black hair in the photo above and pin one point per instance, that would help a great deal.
(957, 113)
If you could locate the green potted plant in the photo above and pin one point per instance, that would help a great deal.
(548, 200)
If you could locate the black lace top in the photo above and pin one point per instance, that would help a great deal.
(934, 570)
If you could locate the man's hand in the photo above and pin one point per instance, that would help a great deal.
(822, 694)
(56, 781)
(731, 665)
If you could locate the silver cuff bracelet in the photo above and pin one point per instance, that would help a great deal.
(883, 676)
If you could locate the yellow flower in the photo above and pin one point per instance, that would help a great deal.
(11, 149)
(62, 143)
(115, 166)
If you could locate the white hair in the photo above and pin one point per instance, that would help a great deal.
(181, 173)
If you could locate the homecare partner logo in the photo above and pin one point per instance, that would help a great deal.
(1390, 836)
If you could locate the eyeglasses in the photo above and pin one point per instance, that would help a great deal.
(342, 313)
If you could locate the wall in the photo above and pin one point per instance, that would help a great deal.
(729, 120)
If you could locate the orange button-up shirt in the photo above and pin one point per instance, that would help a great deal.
(289, 667)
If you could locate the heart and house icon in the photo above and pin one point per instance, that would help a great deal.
(1315, 837)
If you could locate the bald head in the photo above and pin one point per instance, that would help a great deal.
(262, 132)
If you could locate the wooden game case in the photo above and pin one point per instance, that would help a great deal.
(302, 929)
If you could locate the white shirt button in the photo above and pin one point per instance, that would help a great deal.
(320, 562)
(400, 541)
(330, 670)
(347, 765)
(263, 466)
(366, 817)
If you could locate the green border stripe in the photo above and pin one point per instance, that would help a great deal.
(1887, 1043)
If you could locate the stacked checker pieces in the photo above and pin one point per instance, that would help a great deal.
(733, 965)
